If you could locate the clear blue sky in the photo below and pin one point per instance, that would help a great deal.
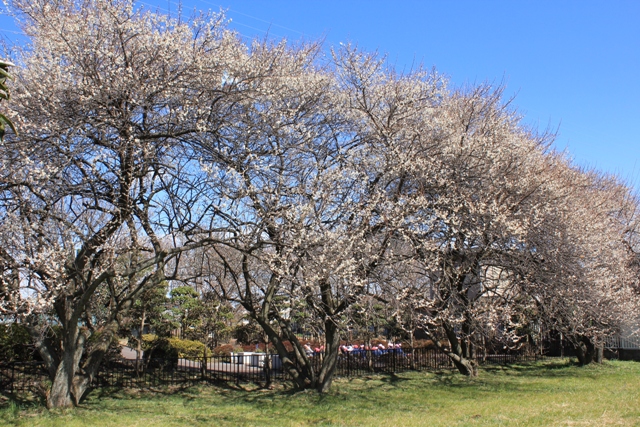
(574, 65)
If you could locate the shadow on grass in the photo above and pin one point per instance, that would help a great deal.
(454, 380)
(554, 368)
(367, 391)
(21, 400)
(394, 380)
(513, 378)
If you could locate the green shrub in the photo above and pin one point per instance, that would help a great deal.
(148, 341)
(15, 343)
(173, 348)
(189, 349)
(158, 353)
(248, 333)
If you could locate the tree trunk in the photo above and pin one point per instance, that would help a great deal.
(465, 366)
(330, 361)
(45, 347)
(71, 381)
(267, 362)
(139, 343)
(413, 352)
(461, 360)
(60, 393)
(585, 351)
(85, 375)
(61, 367)
(580, 354)
(484, 350)
(299, 368)
(600, 353)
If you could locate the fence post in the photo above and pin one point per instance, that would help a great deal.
(267, 368)
(237, 369)
(412, 361)
(203, 365)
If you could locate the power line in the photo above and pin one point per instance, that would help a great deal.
(256, 18)
(175, 15)
(11, 31)
(269, 33)
(235, 22)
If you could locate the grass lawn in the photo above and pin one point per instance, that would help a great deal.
(551, 393)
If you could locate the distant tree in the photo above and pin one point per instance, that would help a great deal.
(247, 331)
(217, 320)
(489, 225)
(369, 317)
(149, 310)
(186, 308)
(585, 283)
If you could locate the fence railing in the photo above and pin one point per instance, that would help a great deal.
(19, 377)
(625, 343)
(243, 367)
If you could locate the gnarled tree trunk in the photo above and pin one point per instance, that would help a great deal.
(459, 353)
(330, 360)
(585, 350)
(70, 379)
(296, 364)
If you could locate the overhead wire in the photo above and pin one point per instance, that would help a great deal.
(235, 21)
(175, 14)
(179, 8)
(254, 17)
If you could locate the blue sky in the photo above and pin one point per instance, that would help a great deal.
(574, 66)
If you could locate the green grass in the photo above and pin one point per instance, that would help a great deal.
(541, 394)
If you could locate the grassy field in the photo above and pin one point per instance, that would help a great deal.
(552, 393)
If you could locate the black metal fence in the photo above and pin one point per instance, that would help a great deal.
(362, 362)
(19, 377)
(155, 372)
(237, 368)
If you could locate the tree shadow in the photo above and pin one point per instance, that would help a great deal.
(555, 368)
(394, 380)
(23, 400)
